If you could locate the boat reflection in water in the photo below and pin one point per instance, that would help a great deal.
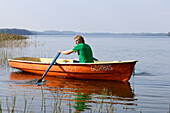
(82, 94)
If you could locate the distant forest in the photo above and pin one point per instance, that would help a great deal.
(16, 31)
(53, 32)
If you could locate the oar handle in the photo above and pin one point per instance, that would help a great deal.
(49, 67)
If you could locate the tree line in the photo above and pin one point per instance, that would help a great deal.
(168, 33)
(27, 32)
(16, 31)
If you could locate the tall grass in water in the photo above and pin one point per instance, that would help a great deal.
(12, 108)
(56, 104)
(8, 40)
(0, 107)
(11, 105)
(11, 37)
(43, 102)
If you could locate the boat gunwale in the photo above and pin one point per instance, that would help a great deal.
(103, 62)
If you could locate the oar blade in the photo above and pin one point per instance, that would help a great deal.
(39, 81)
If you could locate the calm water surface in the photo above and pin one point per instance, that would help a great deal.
(147, 91)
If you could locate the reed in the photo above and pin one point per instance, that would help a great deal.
(4, 56)
(43, 105)
(8, 109)
(11, 37)
(56, 103)
(13, 43)
(8, 40)
(13, 105)
(0, 107)
(29, 105)
(8, 43)
(25, 105)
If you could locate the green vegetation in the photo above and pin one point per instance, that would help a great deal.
(9, 40)
(169, 34)
(4, 37)
(57, 102)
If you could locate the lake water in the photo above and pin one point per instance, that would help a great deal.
(147, 91)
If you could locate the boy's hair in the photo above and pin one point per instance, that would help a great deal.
(79, 37)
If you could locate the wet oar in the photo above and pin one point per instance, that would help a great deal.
(40, 80)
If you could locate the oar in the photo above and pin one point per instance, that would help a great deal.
(95, 59)
(40, 80)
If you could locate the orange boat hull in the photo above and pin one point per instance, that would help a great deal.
(118, 71)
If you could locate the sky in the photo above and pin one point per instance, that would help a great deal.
(114, 16)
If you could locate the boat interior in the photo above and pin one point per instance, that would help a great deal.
(49, 60)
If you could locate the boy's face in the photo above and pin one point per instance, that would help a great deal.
(77, 41)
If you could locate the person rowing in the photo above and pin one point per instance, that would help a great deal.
(84, 51)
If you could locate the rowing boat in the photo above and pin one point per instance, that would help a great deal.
(67, 68)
